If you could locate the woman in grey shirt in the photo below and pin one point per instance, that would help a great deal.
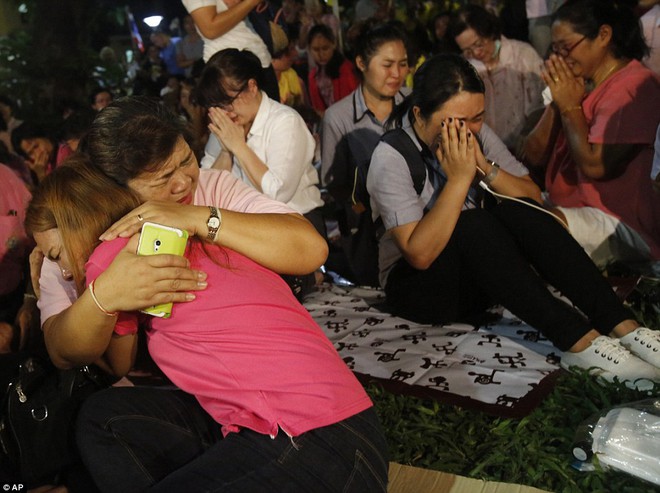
(445, 258)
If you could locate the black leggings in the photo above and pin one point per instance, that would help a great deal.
(507, 256)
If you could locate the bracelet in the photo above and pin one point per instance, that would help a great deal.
(91, 292)
(572, 108)
(29, 296)
(494, 170)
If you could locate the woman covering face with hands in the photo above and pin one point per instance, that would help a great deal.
(595, 139)
(445, 258)
(265, 144)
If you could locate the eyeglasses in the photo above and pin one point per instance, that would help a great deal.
(230, 102)
(564, 51)
(479, 44)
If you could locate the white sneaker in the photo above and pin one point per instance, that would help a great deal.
(645, 344)
(607, 358)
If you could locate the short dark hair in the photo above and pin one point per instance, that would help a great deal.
(484, 23)
(439, 79)
(96, 92)
(29, 130)
(132, 135)
(332, 68)
(373, 36)
(587, 16)
(238, 65)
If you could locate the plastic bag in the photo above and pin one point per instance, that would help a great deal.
(626, 438)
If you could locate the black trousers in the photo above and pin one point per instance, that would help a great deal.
(507, 256)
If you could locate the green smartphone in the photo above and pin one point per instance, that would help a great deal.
(156, 239)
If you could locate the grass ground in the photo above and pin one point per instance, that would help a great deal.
(535, 450)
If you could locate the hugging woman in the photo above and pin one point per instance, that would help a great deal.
(264, 401)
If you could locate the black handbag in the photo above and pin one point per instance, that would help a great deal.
(37, 420)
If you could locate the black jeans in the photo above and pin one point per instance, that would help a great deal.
(507, 256)
(143, 438)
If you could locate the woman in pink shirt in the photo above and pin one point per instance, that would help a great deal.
(279, 408)
(595, 139)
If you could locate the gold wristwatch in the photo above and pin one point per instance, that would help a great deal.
(214, 223)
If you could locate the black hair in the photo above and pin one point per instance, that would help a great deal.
(238, 65)
(78, 123)
(4, 99)
(484, 23)
(587, 16)
(27, 130)
(96, 92)
(132, 135)
(333, 66)
(373, 36)
(439, 79)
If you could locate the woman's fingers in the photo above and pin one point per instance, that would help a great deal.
(154, 279)
(36, 262)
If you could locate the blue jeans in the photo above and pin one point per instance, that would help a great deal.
(143, 438)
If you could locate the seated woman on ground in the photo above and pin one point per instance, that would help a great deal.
(595, 139)
(510, 69)
(267, 380)
(445, 258)
(350, 130)
(333, 77)
(262, 142)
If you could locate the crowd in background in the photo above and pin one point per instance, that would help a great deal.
(293, 101)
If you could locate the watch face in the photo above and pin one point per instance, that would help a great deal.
(214, 222)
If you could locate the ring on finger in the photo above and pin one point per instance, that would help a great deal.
(140, 218)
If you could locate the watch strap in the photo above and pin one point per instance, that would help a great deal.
(214, 223)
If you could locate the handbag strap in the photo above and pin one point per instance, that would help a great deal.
(277, 16)
(261, 7)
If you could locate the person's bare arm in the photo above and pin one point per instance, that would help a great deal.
(81, 333)
(213, 24)
(423, 241)
(538, 144)
(596, 161)
(284, 243)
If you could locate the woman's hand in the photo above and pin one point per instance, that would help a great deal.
(456, 150)
(230, 134)
(188, 217)
(36, 261)
(567, 90)
(38, 162)
(153, 279)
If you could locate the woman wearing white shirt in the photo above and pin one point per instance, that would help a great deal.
(263, 142)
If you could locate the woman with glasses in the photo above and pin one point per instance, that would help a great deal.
(595, 139)
(510, 69)
(264, 143)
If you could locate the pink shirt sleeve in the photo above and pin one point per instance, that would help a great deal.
(101, 258)
(224, 190)
(219, 188)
